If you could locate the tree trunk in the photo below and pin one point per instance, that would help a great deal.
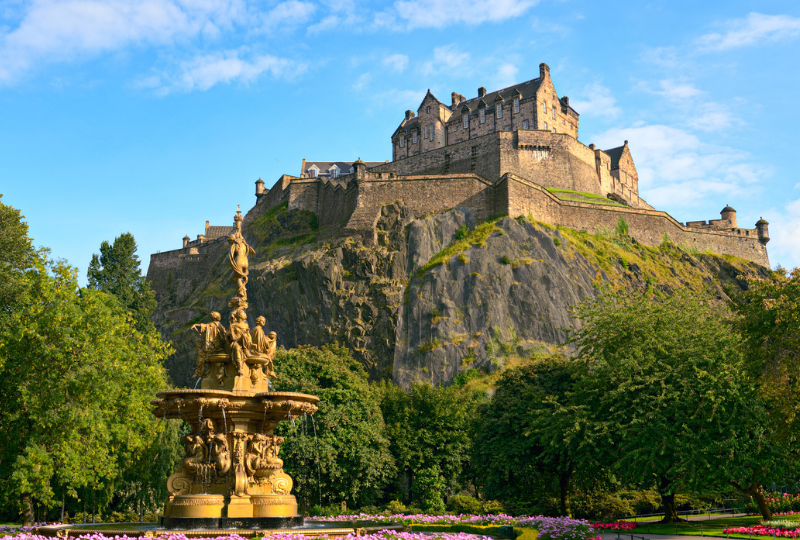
(563, 484)
(757, 492)
(63, 500)
(27, 510)
(668, 501)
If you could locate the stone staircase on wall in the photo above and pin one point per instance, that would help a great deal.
(363, 221)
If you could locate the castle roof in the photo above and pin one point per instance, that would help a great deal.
(727, 209)
(615, 154)
(216, 231)
(344, 166)
(525, 89)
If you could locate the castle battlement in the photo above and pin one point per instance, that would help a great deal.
(513, 152)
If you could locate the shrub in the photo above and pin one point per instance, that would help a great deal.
(464, 504)
(621, 228)
(557, 242)
(462, 232)
(505, 259)
(493, 507)
(396, 507)
(428, 488)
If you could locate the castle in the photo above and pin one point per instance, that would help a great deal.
(512, 152)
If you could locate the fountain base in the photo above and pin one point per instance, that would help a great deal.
(262, 523)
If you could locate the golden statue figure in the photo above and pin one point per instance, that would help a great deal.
(212, 341)
(240, 249)
(264, 345)
(239, 337)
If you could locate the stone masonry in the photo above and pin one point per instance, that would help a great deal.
(511, 152)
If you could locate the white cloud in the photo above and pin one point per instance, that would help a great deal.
(677, 171)
(784, 231)
(596, 100)
(506, 76)
(754, 29)
(204, 72)
(674, 90)
(52, 30)
(362, 81)
(712, 117)
(289, 13)
(445, 58)
(397, 62)
(442, 13)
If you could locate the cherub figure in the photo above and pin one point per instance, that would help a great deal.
(210, 341)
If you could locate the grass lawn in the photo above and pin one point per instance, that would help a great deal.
(712, 527)
(582, 196)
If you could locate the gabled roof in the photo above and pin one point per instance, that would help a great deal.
(523, 90)
(343, 166)
(216, 231)
(615, 154)
(434, 97)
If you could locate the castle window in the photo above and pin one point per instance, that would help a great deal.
(483, 116)
(525, 124)
(414, 138)
(545, 107)
(545, 126)
(402, 141)
(554, 130)
(554, 112)
(466, 120)
(499, 110)
(427, 109)
(516, 105)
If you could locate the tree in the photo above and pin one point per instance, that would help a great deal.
(116, 271)
(429, 426)
(75, 391)
(341, 453)
(16, 256)
(667, 398)
(524, 443)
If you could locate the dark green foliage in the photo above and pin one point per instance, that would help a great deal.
(428, 488)
(668, 400)
(116, 271)
(464, 504)
(505, 259)
(523, 447)
(16, 256)
(354, 459)
(462, 231)
(622, 229)
(429, 427)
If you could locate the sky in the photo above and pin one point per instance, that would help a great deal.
(153, 116)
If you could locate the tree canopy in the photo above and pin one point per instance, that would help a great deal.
(666, 399)
(116, 271)
(348, 459)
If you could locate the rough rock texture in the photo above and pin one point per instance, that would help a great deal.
(411, 311)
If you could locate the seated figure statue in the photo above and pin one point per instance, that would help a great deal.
(239, 336)
(264, 345)
(211, 340)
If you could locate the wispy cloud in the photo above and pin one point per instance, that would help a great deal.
(411, 14)
(678, 170)
(396, 62)
(754, 29)
(596, 100)
(204, 72)
(289, 13)
(506, 75)
(445, 58)
(672, 89)
(362, 81)
(54, 30)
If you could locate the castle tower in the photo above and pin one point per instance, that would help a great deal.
(762, 226)
(729, 214)
(186, 240)
(260, 186)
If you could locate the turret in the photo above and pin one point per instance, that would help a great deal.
(259, 187)
(359, 170)
(729, 214)
(186, 240)
(762, 226)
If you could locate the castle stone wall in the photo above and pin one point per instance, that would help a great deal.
(647, 226)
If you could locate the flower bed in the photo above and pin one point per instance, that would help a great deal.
(760, 530)
(550, 528)
(615, 525)
(381, 535)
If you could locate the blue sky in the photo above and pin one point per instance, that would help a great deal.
(153, 116)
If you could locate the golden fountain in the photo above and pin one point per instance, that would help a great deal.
(231, 475)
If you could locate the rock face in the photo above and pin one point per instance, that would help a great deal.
(434, 297)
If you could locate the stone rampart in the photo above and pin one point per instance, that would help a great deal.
(647, 226)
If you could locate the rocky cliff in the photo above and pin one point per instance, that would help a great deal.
(433, 297)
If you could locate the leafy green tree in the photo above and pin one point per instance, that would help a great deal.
(342, 453)
(667, 399)
(428, 490)
(74, 392)
(524, 442)
(429, 426)
(16, 256)
(769, 323)
(116, 271)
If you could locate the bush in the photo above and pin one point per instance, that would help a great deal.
(428, 488)
(462, 232)
(621, 228)
(396, 507)
(493, 507)
(464, 504)
(600, 506)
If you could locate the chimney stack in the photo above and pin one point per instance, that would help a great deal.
(481, 91)
(409, 114)
(544, 69)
